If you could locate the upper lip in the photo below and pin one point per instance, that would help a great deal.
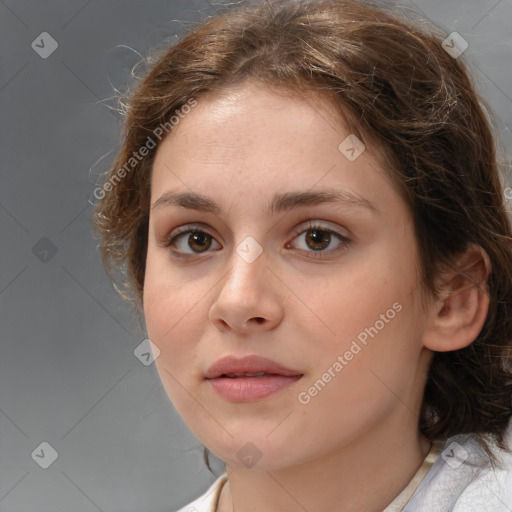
(247, 364)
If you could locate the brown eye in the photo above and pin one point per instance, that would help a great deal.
(190, 241)
(200, 241)
(318, 239)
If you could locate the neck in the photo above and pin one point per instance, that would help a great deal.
(365, 475)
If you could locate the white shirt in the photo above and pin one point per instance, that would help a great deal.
(456, 476)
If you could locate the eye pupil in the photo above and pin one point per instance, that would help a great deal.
(318, 237)
(201, 239)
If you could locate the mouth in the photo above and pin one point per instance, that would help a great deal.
(250, 387)
(249, 378)
(249, 375)
(251, 366)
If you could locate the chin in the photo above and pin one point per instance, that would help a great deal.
(256, 452)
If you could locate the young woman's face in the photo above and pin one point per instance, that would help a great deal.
(328, 289)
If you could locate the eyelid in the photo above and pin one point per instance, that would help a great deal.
(190, 228)
(317, 224)
(186, 228)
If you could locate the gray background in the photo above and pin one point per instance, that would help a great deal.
(68, 374)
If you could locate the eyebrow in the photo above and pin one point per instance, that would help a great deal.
(280, 202)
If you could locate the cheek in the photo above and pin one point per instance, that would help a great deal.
(175, 314)
(171, 321)
(370, 320)
(349, 301)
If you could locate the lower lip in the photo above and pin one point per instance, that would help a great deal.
(248, 389)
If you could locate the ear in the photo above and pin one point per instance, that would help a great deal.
(456, 318)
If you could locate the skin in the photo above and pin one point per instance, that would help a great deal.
(356, 444)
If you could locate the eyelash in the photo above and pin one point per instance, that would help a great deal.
(312, 225)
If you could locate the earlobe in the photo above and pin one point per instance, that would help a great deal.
(456, 318)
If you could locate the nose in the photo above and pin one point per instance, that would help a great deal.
(248, 297)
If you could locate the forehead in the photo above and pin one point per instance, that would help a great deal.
(263, 140)
(252, 114)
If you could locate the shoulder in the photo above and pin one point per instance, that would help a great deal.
(464, 479)
(489, 487)
(207, 502)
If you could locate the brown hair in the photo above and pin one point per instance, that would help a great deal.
(398, 90)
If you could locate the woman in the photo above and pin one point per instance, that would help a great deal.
(308, 207)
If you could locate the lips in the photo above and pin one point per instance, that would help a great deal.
(250, 378)
(249, 366)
